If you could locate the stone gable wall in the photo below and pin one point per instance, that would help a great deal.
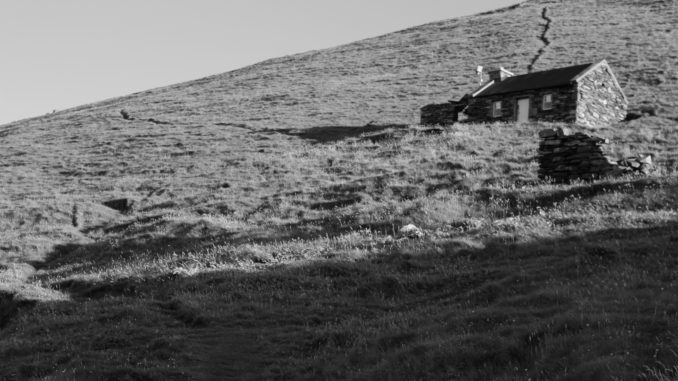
(601, 102)
(564, 106)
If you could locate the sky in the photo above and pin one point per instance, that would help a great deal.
(60, 54)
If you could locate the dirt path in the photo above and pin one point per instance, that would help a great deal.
(543, 39)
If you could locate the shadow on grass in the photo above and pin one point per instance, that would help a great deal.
(410, 311)
(520, 204)
(10, 307)
(331, 134)
(142, 244)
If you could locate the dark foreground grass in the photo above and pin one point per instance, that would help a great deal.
(591, 306)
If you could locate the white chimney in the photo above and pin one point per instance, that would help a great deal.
(500, 74)
(479, 72)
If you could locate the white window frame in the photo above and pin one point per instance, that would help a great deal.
(547, 105)
(496, 111)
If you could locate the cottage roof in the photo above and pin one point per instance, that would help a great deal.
(538, 80)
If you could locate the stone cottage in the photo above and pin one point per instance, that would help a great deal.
(587, 95)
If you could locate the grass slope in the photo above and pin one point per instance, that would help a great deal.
(264, 244)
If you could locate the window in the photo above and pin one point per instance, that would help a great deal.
(496, 109)
(547, 103)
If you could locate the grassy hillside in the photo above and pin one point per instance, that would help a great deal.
(264, 242)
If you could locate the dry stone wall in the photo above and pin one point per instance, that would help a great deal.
(565, 156)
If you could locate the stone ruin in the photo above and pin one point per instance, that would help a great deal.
(564, 156)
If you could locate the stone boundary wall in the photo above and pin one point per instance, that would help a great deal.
(564, 156)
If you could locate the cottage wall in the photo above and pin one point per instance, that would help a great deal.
(601, 102)
(563, 109)
(442, 114)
